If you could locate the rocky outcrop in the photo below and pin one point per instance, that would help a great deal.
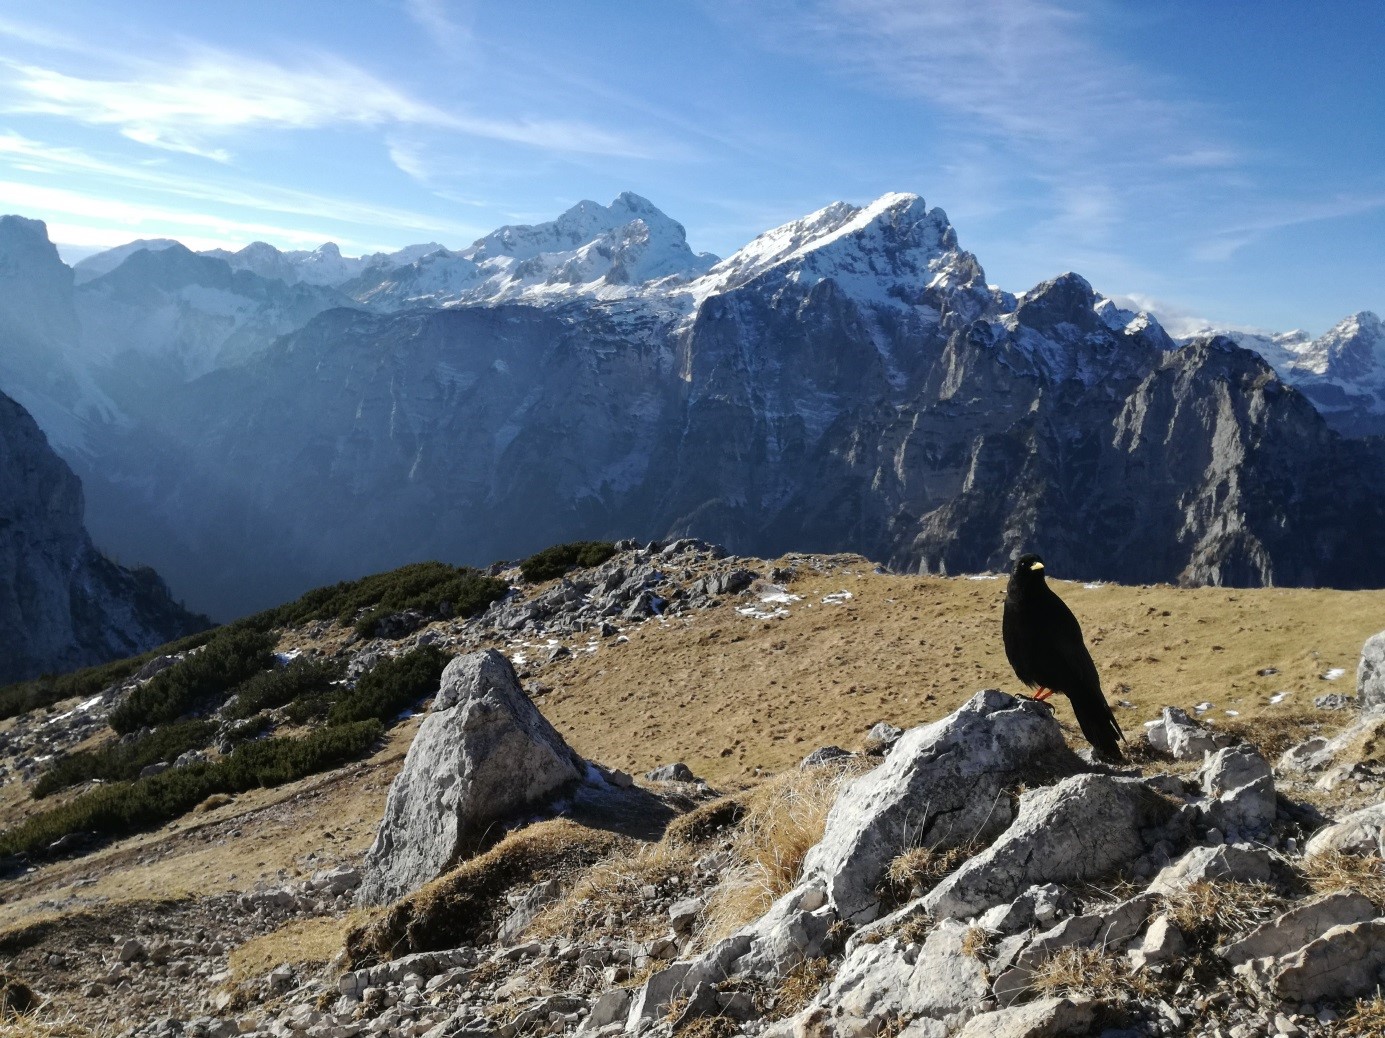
(63, 604)
(1370, 674)
(943, 785)
(481, 756)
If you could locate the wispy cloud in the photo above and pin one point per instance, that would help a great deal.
(27, 155)
(209, 97)
(1224, 243)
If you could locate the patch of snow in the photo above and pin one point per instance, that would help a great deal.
(1279, 697)
(1334, 674)
(837, 598)
(1202, 708)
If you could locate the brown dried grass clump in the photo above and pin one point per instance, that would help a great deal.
(1367, 1019)
(1089, 971)
(1332, 871)
(1211, 911)
(316, 940)
(458, 907)
(919, 869)
(1273, 733)
(43, 1023)
(610, 889)
(783, 818)
(800, 986)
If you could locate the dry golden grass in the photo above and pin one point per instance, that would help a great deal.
(783, 818)
(1366, 1020)
(735, 697)
(1211, 911)
(1332, 871)
(1089, 971)
(800, 986)
(44, 1023)
(456, 907)
(299, 941)
(607, 899)
(213, 802)
(919, 869)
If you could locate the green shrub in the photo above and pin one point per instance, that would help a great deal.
(430, 587)
(283, 685)
(203, 679)
(121, 761)
(391, 687)
(127, 807)
(24, 696)
(557, 560)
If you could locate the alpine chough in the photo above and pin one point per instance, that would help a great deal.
(1043, 642)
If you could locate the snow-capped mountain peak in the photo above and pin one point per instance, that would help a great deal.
(1352, 349)
(888, 251)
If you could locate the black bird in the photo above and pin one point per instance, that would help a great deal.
(1043, 642)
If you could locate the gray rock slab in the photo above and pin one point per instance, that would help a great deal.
(1345, 962)
(1042, 1018)
(1370, 673)
(1079, 829)
(1299, 926)
(1361, 832)
(942, 785)
(485, 755)
(1244, 864)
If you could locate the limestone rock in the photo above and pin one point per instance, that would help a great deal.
(1042, 1018)
(678, 772)
(890, 979)
(1370, 673)
(1299, 926)
(1346, 962)
(1079, 829)
(485, 755)
(1162, 941)
(1242, 785)
(942, 785)
(1234, 862)
(1178, 734)
(1361, 832)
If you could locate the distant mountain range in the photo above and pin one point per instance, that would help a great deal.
(256, 422)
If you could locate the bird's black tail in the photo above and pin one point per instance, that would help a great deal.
(1099, 725)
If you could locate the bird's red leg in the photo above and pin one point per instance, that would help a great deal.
(1043, 693)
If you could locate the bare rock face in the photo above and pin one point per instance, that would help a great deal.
(1079, 829)
(942, 785)
(1177, 734)
(484, 754)
(1370, 673)
(1299, 926)
(63, 604)
(1242, 785)
(1345, 962)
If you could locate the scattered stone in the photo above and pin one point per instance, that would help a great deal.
(881, 738)
(1242, 787)
(678, 772)
(1177, 734)
(1237, 862)
(825, 755)
(1163, 941)
(1343, 963)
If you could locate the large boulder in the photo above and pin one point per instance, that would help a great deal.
(1082, 828)
(1370, 674)
(1240, 785)
(482, 755)
(943, 785)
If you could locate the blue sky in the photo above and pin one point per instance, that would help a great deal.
(1223, 161)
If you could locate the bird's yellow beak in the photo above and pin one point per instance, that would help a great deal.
(1036, 565)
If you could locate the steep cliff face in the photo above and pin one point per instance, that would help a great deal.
(62, 603)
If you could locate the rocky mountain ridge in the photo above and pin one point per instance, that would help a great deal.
(848, 381)
(62, 603)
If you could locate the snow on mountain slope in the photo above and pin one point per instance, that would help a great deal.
(1341, 371)
(105, 262)
(886, 252)
(591, 251)
(190, 310)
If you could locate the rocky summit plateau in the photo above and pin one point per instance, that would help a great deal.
(256, 423)
(661, 789)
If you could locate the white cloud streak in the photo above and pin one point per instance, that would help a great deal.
(212, 96)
